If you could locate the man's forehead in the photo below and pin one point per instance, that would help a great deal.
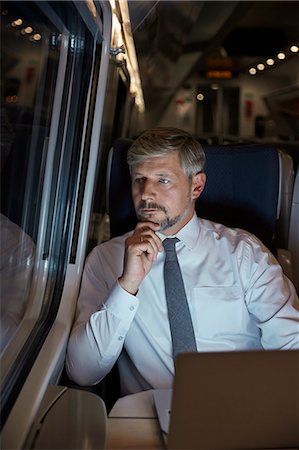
(169, 163)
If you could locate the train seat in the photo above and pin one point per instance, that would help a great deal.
(242, 189)
(286, 182)
(293, 238)
(119, 204)
(248, 186)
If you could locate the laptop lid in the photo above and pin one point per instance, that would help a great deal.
(235, 400)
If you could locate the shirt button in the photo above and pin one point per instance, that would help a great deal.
(120, 338)
(132, 308)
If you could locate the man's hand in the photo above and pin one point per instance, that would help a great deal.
(140, 252)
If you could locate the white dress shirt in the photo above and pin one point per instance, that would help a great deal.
(238, 298)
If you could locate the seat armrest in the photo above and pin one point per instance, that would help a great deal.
(69, 419)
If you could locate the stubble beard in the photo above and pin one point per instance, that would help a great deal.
(165, 223)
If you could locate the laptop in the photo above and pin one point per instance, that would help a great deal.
(232, 400)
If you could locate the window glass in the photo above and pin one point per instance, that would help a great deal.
(30, 47)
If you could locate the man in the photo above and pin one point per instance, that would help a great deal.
(237, 294)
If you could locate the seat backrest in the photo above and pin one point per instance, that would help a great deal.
(293, 244)
(286, 186)
(242, 188)
(119, 199)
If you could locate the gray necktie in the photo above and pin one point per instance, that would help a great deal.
(183, 339)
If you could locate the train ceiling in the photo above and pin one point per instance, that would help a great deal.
(178, 39)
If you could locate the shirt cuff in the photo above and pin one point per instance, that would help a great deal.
(121, 303)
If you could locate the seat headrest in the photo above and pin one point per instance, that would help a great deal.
(120, 204)
(242, 188)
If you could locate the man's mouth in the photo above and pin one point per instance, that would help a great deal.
(151, 209)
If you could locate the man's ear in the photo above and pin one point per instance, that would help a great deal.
(198, 184)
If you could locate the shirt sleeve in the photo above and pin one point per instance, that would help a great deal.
(270, 297)
(104, 314)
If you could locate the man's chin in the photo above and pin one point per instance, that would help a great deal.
(149, 219)
(164, 225)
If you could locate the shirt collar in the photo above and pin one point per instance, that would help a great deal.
(188, 234)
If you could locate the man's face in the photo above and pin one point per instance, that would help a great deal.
(163, 194)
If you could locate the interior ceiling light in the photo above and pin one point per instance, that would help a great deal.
(200, 97)
(271, 61)
(252, 71)
(281, 55)
(17, 22)
(37, 37)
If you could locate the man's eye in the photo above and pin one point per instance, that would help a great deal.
(164, 180)
(138, 180)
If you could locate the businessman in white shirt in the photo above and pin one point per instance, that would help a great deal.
(237, 294)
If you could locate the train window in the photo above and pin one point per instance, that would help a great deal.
(48, 57)
(30, 49)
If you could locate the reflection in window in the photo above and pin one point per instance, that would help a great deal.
(30, 48)
(16, 264)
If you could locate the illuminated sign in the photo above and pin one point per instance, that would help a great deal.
(219, 74)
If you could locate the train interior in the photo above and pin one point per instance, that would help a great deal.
(79, 81)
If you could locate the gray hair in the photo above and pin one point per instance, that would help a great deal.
(162, 141)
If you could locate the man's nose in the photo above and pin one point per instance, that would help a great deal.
(148, 190)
